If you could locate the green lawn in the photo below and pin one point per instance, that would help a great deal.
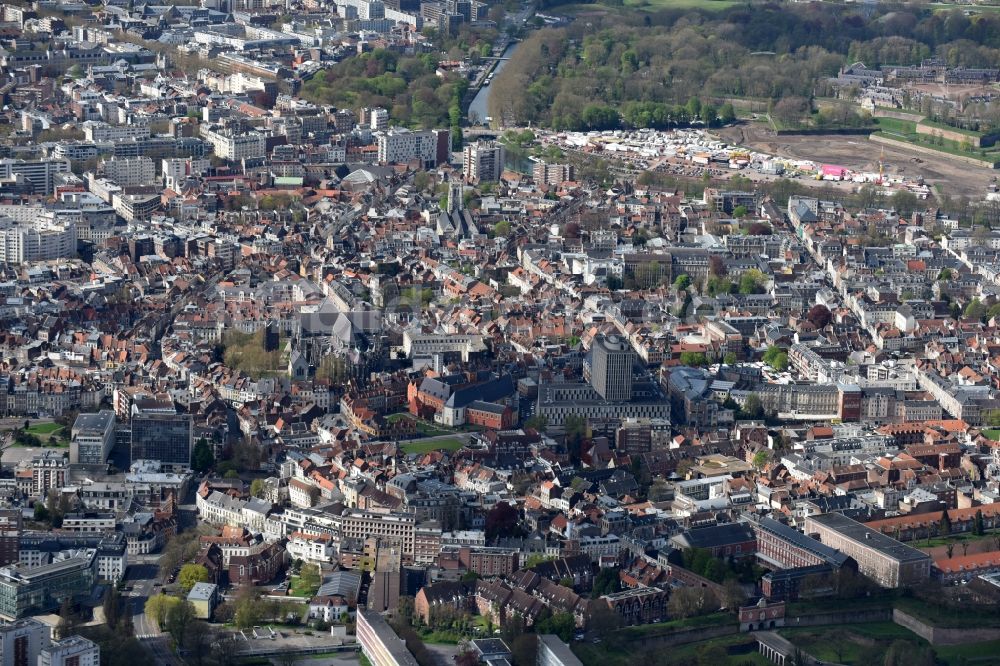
(426, 446)
(611, 653)
(973, 653)
(839, 605)
(303, 588)
(848, 644)
(960, 130)
(44, 428)
(992, 433)
(646, 630)
(944, 616)
(905, 128)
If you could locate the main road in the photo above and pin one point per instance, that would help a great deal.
(141, 578)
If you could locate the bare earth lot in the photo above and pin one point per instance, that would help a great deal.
(858, 153)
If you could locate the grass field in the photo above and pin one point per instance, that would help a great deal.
(944, 616)
(904, 128)
(992, 433)
(647, 630)
(860, 643)
(426, 446)
(43, 434)
(303, 587)
(849, 643)
(632, 653)
(43, 428)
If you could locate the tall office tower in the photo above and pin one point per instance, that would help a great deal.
(162, 435)
(611, 368)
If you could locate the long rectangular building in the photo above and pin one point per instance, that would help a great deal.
(784, 547)
(379, 643)
(886, 561)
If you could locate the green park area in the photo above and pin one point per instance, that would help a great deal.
(307, 582)
(246, 352)
(434, 444)
(45, 433)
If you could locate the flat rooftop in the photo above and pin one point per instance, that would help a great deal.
(94, 424)
(862, 534)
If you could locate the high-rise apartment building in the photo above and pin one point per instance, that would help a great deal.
(49, 471)
(482, 161)
(611, 368)
(544, 173)
(398, 145)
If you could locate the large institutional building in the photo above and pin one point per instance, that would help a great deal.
(883, 559)
(40, 239)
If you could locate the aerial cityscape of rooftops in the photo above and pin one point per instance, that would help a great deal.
(503, 332)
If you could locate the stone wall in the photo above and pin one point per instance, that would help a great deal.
(944, 635)
(931, 152)
(957, 136)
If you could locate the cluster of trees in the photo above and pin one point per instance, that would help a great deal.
(976, 309)
(180, 548)
(405, 85)
(777, 358)
(246, 352)
(639, 69)
(577, 433)
(401, 625)
(502, 521)
(202, 458)
(191, 574)
(693, 359)
(249, 610)
(116, 638)
(750, 282)
(52, 511)
(562, 625)
(703, 563)
(607, 581)
(819, 315)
